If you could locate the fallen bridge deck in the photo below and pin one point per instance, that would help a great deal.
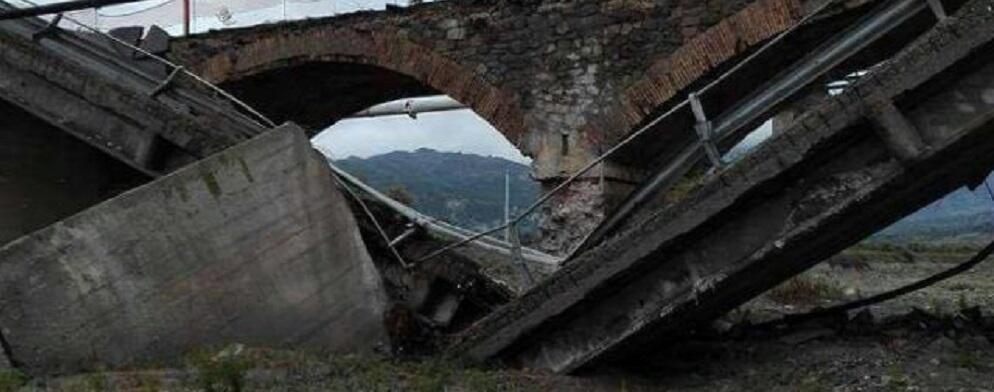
(842, 171)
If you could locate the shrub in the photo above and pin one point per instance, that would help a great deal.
(400, 194)
(11, 380)
(224, 372)
(805, 290)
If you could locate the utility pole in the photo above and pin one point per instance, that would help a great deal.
(507, 205)
(186, 17)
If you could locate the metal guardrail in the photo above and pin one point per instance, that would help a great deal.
(68, 38)
(686, 156)
(837, 49)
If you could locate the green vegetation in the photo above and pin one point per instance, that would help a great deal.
(875, 252)
(813, 383)
(230, 369)
(351, 373)
(968, 359)
(11, 380)
(684, 186)
(804, 289)
(918, 247)
(400, 194)
(221, 372)
(896, 379)
(463, 189)
(95, 382)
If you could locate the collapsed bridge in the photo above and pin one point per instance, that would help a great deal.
(911, 123)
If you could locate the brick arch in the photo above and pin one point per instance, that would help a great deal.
(385, 49)
(670, 74)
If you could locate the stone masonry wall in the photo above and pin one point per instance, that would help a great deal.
(562, 80)
(253, 245)
(540, 72)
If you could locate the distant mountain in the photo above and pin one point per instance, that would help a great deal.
(961, 215)
(463, 189)
(468, 190)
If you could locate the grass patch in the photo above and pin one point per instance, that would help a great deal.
(813, 383)
(351, 373)
(919, 247)
(11, 380)
(805, 290)
(968, 359)
(220, 372)
(684, 186)
(262, 369)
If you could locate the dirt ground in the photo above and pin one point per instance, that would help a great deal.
(937, 339)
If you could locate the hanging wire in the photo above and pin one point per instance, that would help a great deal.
(365, 208)
(372, 218)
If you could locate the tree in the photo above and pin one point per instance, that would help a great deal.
(400, 194)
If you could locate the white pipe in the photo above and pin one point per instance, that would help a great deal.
(411, 107)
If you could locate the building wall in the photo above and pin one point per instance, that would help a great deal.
(254, 245)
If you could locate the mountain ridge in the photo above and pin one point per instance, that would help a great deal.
(463, 189)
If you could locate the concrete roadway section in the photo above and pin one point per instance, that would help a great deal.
(915, 129)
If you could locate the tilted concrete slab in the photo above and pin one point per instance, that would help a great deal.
(82, 84)
(831, 179)
(253, 245)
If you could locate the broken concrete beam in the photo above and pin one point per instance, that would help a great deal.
(253, 245)
(799, 198)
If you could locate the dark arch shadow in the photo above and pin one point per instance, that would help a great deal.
(316, 95)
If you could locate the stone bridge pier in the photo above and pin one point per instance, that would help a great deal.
(562, 81)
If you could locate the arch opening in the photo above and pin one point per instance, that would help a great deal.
(316, 95)
(452, 163)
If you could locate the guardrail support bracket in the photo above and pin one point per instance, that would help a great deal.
(50, 29)
(162, 87)
(705, 132)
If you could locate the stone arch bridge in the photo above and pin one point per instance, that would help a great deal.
(561, 80)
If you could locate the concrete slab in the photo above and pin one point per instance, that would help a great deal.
(253, 245)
